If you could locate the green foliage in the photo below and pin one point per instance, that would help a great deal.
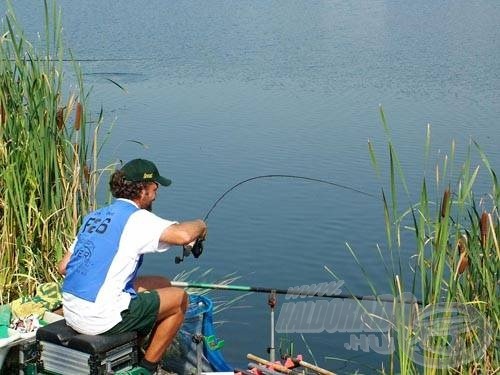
(46, 181)
(457, 267)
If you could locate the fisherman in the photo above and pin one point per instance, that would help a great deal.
(102, 293)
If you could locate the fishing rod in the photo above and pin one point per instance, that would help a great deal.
(293, 292)
(291, 176)
(197, 248)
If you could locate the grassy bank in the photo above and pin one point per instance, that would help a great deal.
(47, 155)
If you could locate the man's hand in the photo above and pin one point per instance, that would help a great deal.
(184, 233)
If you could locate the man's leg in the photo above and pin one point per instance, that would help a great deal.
(173, 305)
(143, 283)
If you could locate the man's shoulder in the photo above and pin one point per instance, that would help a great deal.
(146, 224)
(147, 220)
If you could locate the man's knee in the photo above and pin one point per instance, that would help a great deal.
(172, 301)
(185, 301)
(151, 282)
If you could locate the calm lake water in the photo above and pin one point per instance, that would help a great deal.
(221, 91)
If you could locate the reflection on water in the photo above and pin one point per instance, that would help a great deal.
(223, 91)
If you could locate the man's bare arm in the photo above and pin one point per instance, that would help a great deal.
(61, 267)
(184, 233)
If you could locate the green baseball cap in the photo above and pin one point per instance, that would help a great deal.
(140, 170)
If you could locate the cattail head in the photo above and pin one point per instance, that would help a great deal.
(78, 115)
(463, 262)
(86, 173)
(444, 203)
(484, 230)
(2, 114)
(60, 118)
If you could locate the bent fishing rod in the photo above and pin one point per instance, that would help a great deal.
(290, 176)
(197, 248)
(290, 292)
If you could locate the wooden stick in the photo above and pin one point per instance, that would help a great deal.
(263, 369)
(286, 370)
(310, 366)
(274, 366)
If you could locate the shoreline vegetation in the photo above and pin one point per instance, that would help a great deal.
(455, 266)
(49, 151)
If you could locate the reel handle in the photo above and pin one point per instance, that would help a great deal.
(196, 249)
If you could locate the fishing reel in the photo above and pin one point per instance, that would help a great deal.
(196, 249)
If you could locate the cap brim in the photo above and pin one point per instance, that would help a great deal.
(163, 181)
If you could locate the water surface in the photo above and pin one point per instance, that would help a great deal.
(222, 91)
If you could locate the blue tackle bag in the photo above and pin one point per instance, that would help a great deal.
(196, 348)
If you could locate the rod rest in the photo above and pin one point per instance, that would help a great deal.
(59, 333)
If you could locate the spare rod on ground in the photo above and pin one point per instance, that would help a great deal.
(291, 292)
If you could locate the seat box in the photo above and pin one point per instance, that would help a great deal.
(62, 350)
(19, 356)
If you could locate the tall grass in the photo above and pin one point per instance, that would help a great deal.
(457, 270)
(47, 154)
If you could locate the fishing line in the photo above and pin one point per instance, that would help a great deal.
(197, 248)
(285, 176)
